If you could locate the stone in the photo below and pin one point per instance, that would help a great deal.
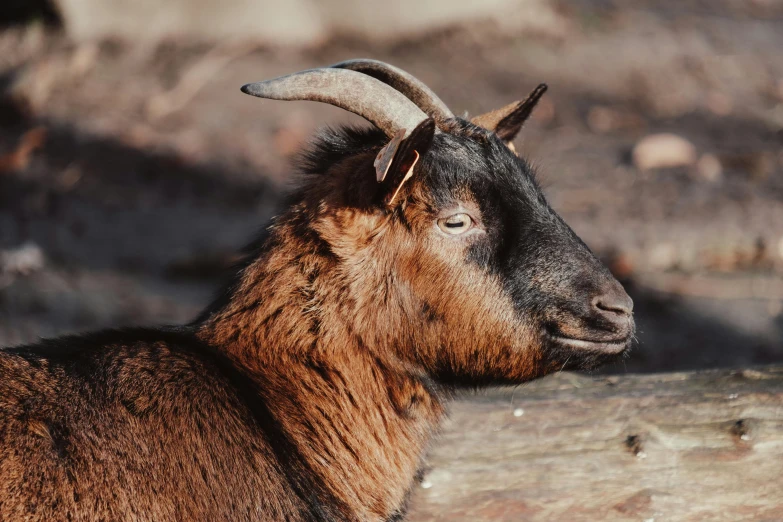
(663, 150)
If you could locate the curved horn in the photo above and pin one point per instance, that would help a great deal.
(413, 88)
(355, 92)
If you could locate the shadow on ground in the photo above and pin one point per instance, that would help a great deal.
(128, 236)
(684, 333)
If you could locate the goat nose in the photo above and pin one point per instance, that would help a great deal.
(615, 306)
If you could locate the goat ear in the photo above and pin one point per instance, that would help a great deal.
(506, 122)
(398, 158)
(385, 157)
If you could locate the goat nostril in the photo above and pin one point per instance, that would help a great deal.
(619, 304)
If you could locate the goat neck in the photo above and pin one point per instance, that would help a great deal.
(360, 418)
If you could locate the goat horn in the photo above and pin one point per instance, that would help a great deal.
(413, 88)
(373, 100)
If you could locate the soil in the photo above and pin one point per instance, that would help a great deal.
(137, 172)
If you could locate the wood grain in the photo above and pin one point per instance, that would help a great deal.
(704, 446)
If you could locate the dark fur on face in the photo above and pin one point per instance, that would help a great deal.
(545, 274)
(311, 388)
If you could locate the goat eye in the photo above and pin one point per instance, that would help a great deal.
(455, 224)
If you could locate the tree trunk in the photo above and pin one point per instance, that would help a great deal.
(704, 446)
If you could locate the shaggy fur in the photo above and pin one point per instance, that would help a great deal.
(311, 388)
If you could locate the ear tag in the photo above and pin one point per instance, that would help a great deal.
(386, 155)
(406, 178)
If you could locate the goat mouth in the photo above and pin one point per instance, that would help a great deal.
(613, 346)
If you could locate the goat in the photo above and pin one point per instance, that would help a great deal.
(418, 257)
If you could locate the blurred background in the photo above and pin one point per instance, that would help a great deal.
(132, 169)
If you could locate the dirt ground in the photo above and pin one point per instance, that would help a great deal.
(130, 175)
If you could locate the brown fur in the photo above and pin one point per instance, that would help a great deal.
(310, 393)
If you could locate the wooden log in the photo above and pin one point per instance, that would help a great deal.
(704, 446)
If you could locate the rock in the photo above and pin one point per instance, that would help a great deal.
(22, 260)
(663, 150)
(709, 168)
